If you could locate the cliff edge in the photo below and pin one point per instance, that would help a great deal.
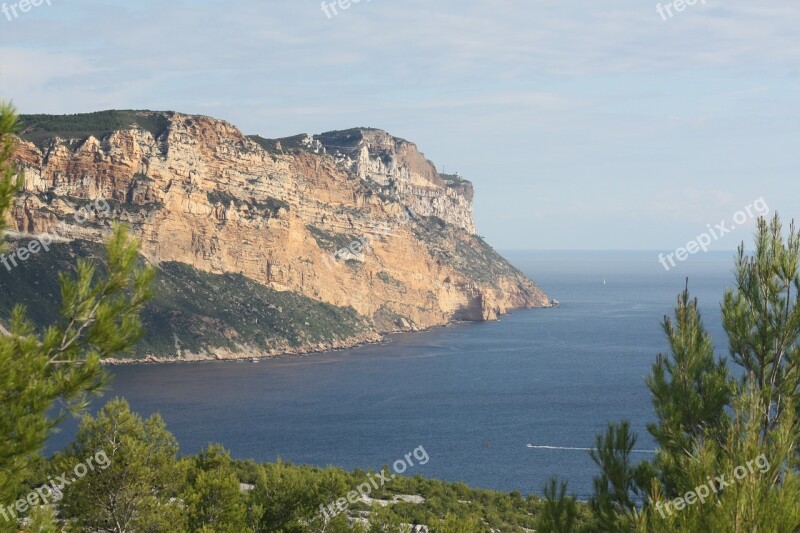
(356, 225)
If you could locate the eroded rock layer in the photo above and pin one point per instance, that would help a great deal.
(356, 219)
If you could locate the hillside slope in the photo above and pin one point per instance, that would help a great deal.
(356, 220)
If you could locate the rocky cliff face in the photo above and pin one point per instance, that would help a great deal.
(355, 219)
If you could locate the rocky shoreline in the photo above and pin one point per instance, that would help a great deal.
(255, 356)
(252, 354)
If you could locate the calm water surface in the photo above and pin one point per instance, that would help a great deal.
(473, 395)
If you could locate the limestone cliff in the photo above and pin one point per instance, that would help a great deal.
(353, 219)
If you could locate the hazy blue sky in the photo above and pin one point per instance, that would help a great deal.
(588, 125)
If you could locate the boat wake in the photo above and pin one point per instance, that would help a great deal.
(578, 449)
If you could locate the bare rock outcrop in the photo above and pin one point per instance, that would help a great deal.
(355, 218)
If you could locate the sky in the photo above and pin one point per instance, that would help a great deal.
(582, 124)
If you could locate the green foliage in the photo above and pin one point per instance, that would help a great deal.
(42, 520)
(262, 317)
(61, 363)
(288, 498)
(388, 279)
(133, 493)
(346, 142)
(385, 520)
(468, 254)
(193, 310)
(693, 396)
(762, 318)
(146, 488)
(330, 242)
(767, 496)
(559, 512)
(616, 486)
(10, 177)
(282, 495)
(267, 208)
(42, 129)
(457, 524)
(707, 423)
(291, 498)
(288, 144)
(213, 497)
(690, 392)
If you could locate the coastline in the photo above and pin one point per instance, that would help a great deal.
(250, 354)
(255, 356)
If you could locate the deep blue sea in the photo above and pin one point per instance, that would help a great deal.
(473, 395)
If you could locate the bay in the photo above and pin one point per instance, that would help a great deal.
(473, 395)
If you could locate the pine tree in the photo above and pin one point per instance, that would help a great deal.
(693, 393)
(767, 496)
(286, 498)
(762, 318)
(137, 489)
(618, 486)
(60, 364)
(559, 513)
(213, 496)
(690, 390)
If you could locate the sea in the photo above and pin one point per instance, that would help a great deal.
(501, 405)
